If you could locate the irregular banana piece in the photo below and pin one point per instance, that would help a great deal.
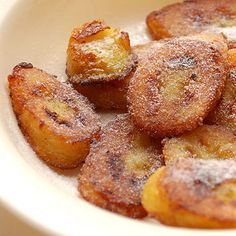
(118, 166)
(205, 142)
(58, 122)
(193, 193)
(98, 53)
(192, 17)
(176, 85)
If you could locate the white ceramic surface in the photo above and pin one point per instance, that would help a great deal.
(37, 31)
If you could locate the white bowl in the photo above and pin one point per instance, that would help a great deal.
(37, 32)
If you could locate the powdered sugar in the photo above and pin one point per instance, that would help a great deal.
(176, 84)
(209, 173)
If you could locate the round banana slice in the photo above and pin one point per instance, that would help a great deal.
(176, 85)
(58, 122)
(98, 53)
(192, 17)
(225, 112)
(118, 166)
(193, 193)
(205, 142)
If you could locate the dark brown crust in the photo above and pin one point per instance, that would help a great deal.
(24, 65)
(191, 17)
(105, 178)
(161, 116)
(89, 29)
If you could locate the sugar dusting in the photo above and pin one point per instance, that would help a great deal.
(210, 173)
(195, 93)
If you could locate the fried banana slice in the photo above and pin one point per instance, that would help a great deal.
(205, 142)
(225, 112)
(118, 166)
(98, 53)
(193, 193)
(58, 122)
(192, 17)
(176, 85)
(112, 94)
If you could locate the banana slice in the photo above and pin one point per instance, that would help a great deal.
(118, 166)
(193, 193)
(205, 142)
(192, 17)
(58, 122)
(176, 85)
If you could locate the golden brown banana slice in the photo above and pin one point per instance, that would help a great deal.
(112, 94)
(205, 142)
(193, 193)
(192, 17)
(98, 53)
(58, 122)
(117, 167)
(176, 85)
(225, 112)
